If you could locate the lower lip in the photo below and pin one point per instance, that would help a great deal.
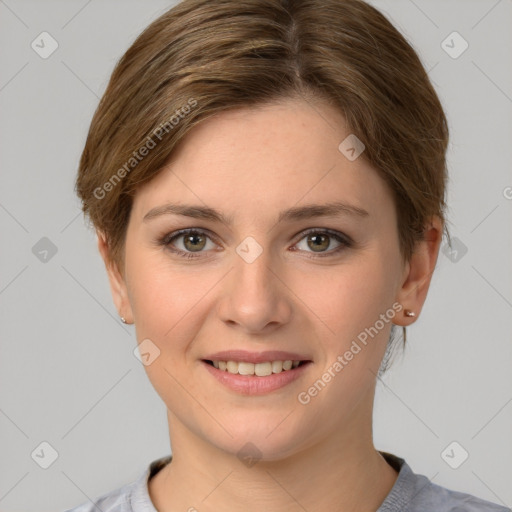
(254, 385)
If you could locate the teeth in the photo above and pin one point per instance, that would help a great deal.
(232, 366)
(245, 368)
(259, 369)
(263, 369)
(277, 366)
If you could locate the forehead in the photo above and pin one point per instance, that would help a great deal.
(252, 162)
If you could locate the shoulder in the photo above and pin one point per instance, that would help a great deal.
(446, 500)
(454, 501)
(416, 493)
(131, 497)
(117, 500)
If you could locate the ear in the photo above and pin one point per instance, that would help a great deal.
(117, 282)
(418, 272)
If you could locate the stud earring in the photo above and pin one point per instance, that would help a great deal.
(123, 319)
(408, 312)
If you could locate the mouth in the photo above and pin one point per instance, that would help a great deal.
(262, 369)
(260, 378)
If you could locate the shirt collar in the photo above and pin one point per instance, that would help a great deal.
(405, 488)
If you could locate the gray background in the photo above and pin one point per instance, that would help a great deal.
(68, 375)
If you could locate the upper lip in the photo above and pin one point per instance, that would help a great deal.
(256, 357)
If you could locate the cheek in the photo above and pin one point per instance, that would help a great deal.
(163, 296)
(350, 301)
(349, 297)
(168, 311)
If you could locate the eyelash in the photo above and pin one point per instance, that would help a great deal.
(167, 240)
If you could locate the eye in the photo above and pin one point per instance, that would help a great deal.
(190, 241)
(320, 240)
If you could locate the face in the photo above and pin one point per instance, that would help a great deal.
(273, 280)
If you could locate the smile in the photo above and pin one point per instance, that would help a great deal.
(256, 378)
(263, 369)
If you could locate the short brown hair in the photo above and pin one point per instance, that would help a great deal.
(202, 57)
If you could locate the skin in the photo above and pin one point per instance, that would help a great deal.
(251, 164)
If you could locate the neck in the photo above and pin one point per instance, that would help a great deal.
(343, 473)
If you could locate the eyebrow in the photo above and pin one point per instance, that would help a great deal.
(292, 214)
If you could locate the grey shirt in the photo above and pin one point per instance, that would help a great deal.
(410, 493)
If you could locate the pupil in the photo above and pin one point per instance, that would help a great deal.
(192, 239)
(318, 239)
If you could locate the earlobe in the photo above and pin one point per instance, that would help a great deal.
(418, 275)
(117, 282)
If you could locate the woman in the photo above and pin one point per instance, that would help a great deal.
(267, 182)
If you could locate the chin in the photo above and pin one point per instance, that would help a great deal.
(254, 439)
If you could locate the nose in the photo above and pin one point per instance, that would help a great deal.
(255, 297)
